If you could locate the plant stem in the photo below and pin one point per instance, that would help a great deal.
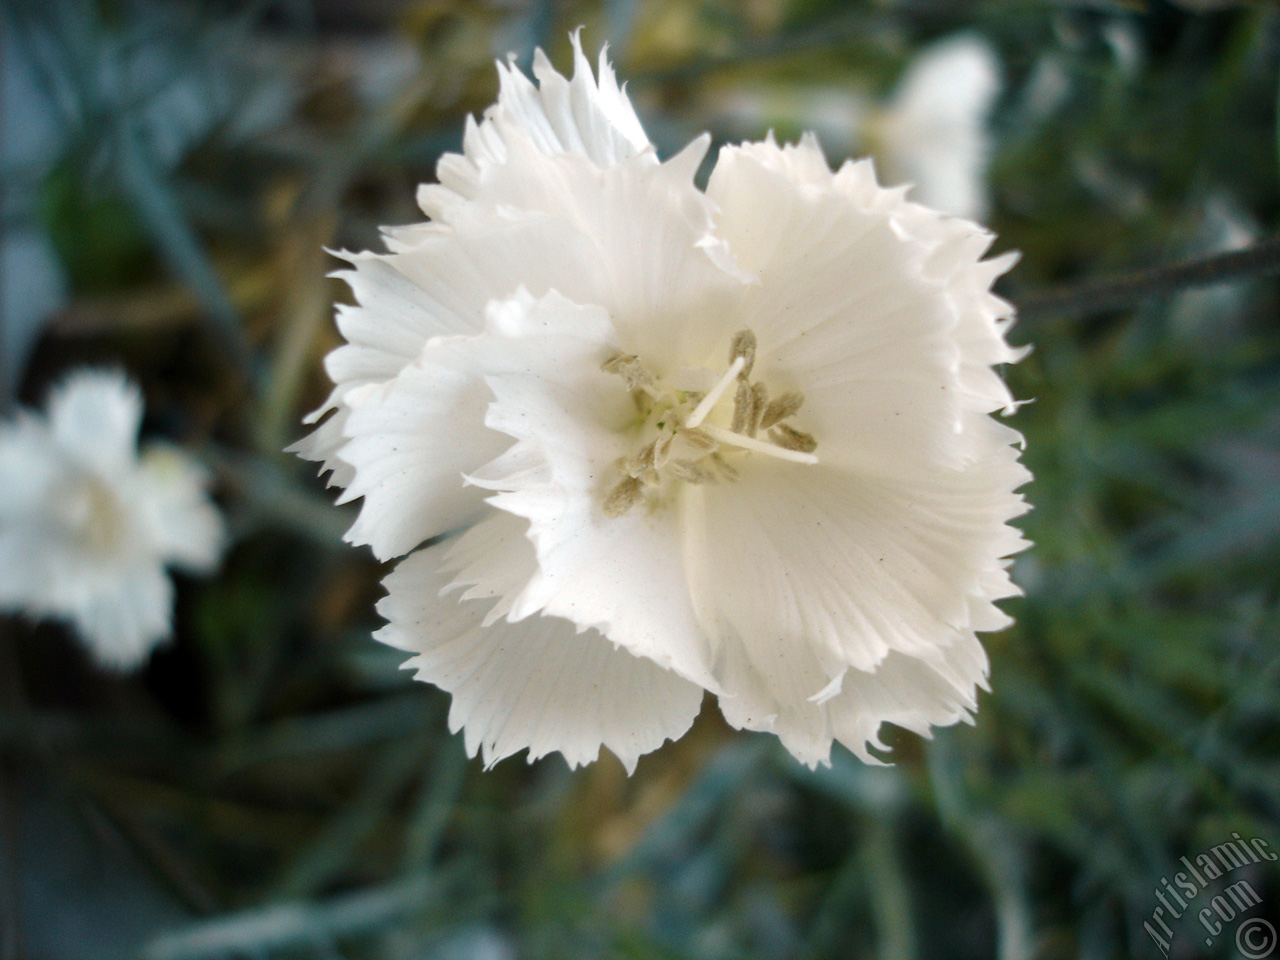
(1262, 259)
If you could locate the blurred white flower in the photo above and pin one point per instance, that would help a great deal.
(933, 131)
(1211, 313)
(87, 527)
(736, 441)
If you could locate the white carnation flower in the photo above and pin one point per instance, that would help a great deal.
(736, 441)
(87, 526)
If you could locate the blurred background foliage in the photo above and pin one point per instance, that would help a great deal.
(272, 786)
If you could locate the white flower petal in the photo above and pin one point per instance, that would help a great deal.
(590, 119)
(36, 554)
(645, 249)
(185, 527)
(124, 621)
(858, 314)
(806, 575)
(30, 465)
(539, 684)
(909, 692)
(24, 565)
(622, 575)
(851, 566)
(933, 130)
(492, 560)
(441, 287)
(95, 416)
(321, 444)
(583, 116)
(411, 443)
(632, 239)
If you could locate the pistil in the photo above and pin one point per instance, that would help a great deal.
(713, 396)
(759, 446)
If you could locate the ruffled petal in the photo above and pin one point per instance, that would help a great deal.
(321, 444)
(584, 117)
(878, 311)
(411, 441)
(632, 239)
(795, 557)
(539, 684)
(909, 692)
(810, 578)
(30, 467)
(623, 575)
(124, 617)
(94, 416)
(439, 288)
(25, 563)
(648, 253)
(183, 525)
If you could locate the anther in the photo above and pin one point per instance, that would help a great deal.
(696, 434)
(699, 438)
(662, 450)
(688, 471)
(639, 462)
(629, 367)
(623, 496)
(729, 470)
(785, 406)
(789, 438)
(759, 400)
(707, 403)
(742, 400)
(744, 346)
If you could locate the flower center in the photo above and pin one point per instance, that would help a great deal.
(683, 436)
(91, 513)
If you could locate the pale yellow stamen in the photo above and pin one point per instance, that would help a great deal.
(629, 367)
(698, 438)
(785, 406)
(713, 396)
(793, 439)
(623, 496)
(635, 373)
(759, 400)
(741, 407)
(759, 446)
(706, 447)
(744, 347)
(688, 471)
(91, 511)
